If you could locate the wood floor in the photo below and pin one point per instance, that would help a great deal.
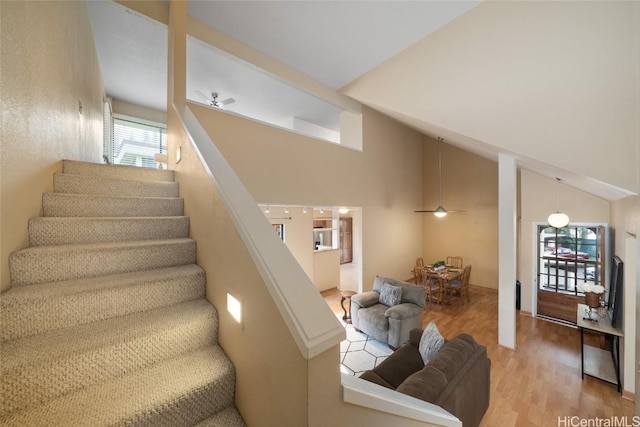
(538, 382)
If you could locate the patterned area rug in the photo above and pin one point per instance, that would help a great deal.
(359, 352)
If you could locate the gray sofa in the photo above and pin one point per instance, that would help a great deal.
(388, 324)
(457, 378)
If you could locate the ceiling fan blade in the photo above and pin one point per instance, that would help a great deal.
(228, 101)
(203, 95)
(435, 210)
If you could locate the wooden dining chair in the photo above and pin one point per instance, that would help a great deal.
(431, 287)
(419, 264)
(460, 287)
(455, 261)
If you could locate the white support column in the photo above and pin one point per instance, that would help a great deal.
(177, 55)
(507, 215)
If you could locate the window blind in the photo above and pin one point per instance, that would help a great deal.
(136, 143)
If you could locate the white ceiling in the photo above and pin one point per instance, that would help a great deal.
(334, 42)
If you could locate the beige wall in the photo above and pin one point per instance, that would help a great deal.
(271, 389)
(392, 188)
(45, 74)
(282, 167)
(326, 266)
(122, 107)
(298, 235)
(538, 196)
(470, 184)
(531, 78)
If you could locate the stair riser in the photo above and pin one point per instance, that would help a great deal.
(72, 205)
(78, 184)
(23, 317)
(227, 417)
(188, 409)
(66, 231)
(130, 173)
(177, 392)
(56, 263)
(29, 385)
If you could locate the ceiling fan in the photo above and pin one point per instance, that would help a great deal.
(439, 211)
(213, 100)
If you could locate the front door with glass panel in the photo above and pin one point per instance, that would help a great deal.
(567, 257)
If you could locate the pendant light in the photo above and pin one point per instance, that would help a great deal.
(558, 219)
(440, 211)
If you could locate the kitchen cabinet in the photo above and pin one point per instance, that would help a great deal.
(325, 233)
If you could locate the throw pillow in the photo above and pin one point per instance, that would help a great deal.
(390, 295)
(431, 342)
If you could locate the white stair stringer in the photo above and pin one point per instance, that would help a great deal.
(58, 305)
(107, 321)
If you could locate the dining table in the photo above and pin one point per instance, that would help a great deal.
(443, 275)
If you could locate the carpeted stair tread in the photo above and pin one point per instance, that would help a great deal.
(83, 205)
(42, 264)
(83, 184)
(44, 231)
(114, 327)
(229, 417)
(178, 392)
(133, 173)
(45, 366)
(29, 310)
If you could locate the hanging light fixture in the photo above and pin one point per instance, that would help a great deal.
(558, 219)
(440, 212)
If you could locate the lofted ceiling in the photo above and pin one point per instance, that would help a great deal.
(332, 42)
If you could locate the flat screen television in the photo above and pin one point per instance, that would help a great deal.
(614, 305)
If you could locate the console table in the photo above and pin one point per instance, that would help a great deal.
(596, 362)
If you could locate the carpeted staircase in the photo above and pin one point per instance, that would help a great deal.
(106, 322)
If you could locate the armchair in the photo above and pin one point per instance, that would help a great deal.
(388, 321)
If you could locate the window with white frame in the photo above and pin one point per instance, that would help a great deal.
(136, 142)
(569, 256)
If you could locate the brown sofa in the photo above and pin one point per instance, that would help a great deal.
(457, 378)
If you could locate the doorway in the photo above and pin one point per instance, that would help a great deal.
(566, 258)
(346, 240)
